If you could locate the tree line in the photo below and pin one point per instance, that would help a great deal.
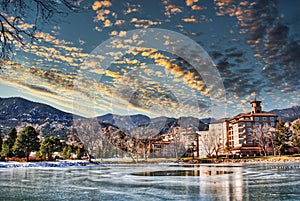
(282, 140)
(28, 140)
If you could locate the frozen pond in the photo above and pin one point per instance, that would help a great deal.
(152, 182)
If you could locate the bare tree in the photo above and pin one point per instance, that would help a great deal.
(178, 144)
(89, 132)
(20, 19)
(263, 135)
(122, 141)
(211, 143)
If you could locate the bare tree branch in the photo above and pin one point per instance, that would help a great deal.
(211, 143)
(17, 26)
(263, 136)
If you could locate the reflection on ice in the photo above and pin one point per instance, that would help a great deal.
(183, 173)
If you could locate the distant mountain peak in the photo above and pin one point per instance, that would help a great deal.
(18, 111)
(287, 114)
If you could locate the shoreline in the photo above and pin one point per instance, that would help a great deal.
(266, 159)
(183, 161)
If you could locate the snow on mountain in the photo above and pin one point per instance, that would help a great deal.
(19, 112)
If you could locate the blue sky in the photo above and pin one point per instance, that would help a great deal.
(254, 45)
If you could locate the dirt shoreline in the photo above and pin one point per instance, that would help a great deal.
(268, 159)
(246, 160)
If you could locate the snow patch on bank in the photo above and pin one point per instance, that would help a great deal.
(62, 163)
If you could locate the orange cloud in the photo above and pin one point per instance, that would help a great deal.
(191, 19)
(99, 4)
(190, 2)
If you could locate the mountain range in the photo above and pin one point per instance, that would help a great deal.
(288, 114)
(19, 112)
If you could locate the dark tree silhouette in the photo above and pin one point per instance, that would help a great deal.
(282, 137)
(27, 142)
(296, 136)
(50, 145)
(20, 19)
(9, 143)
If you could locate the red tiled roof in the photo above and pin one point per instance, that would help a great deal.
(255, 114)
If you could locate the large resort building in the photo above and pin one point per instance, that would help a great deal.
(236, 135)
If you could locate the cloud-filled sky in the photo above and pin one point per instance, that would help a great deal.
(253, 50)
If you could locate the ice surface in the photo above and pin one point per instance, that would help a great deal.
(81, 180)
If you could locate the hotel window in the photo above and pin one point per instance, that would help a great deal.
(249, 141)
(272, 123)
(241, 135)
(271, 118)
(241, 130)
(256, 118)
(264, 118)
(248, 124)
(256, 123)
(241, 141)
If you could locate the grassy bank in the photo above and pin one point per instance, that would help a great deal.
(262, 159)
(266, 159)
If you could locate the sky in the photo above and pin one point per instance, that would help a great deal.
(162, 58)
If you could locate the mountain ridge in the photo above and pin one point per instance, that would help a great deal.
(18, 112)
(287, 114)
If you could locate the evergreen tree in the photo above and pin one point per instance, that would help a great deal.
(80, 152)
(26, 142)
(49, 145)
(1, 142)
(282, 137)
(8, 144)
(67, 151)
(296, 136)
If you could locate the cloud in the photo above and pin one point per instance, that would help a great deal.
(196, 7)
(144, 23)
(191, 19)
(259, 54)
(270, 38)
(100, 4)
(102, 15)
(131, 8)
(172, 9)
(190, 2)
(113, 74)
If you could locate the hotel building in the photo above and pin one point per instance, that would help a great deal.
(241, 126)
(235, 134)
